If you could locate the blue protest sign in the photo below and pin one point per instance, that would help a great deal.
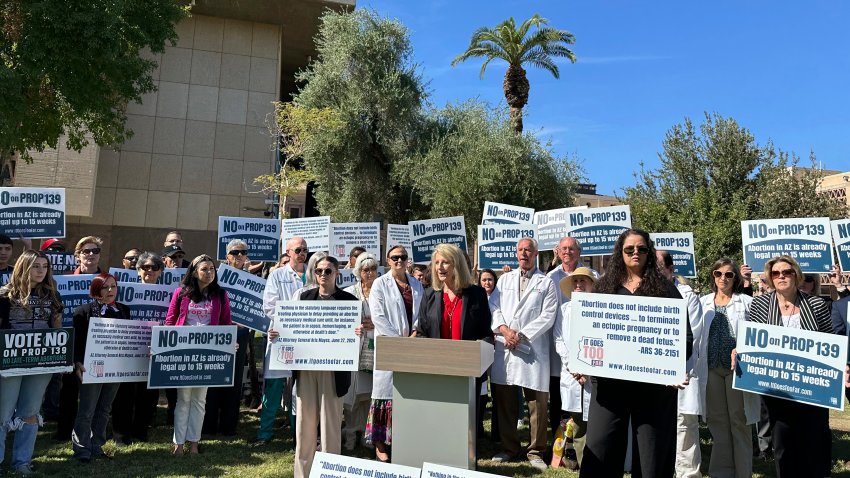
(795, 364)
(62, 263)
(192, 356)
(597, 229)
(680, 245)
(74, 290)
(552, 226)
(245, 291)
(147, 302)
(806, 239)
(425, 235)
(497, 213)
(261, 235)
(35, 213)
(497, 244)
(841, 238)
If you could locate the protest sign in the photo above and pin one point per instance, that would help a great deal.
(171, 277)
(74, 290)
(117, 350)
(329, 465)
(398, 235)
(34, 213)
(315, 230)
(146, 301)
(61, 263)
(433, 470)
(316, 335)
(261, 235)
(346, 278)
(806, 239)
(497, 213)
(680, 246)
(344, 236)
(425, 235)
(636, 338)
(197, 356)
(245, 291)
(497, 244)
(552, 226)
(795, 364)
(841, 238)
(597, 229)
(36, 351)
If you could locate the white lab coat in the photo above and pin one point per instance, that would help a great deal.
(689, 397)
(574, 396)
(532, 315)
(361, 382)
(281, 285)
(737, 311)
(390, 319)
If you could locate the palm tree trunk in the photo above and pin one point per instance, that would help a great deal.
(516, 89)
(516, 119)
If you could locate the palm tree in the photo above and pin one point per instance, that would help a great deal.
(517, 47)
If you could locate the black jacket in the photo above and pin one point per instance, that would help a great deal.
(82, 314)
(475, 318)
(342, 380)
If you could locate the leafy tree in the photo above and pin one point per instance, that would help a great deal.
(365, 75)
(518, 47)
(471, 154)
(713, 178)
(70, 67)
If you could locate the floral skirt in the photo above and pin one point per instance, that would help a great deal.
(379, 425)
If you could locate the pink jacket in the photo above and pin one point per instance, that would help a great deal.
(220, 315)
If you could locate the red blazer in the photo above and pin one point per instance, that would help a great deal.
(220, 309)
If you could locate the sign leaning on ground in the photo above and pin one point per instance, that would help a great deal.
(806, 239)
(551, 226)
(329, 465)
(426, 234)
(841, 238)
(261, 235)
(34, 213)
(597, 229)
(497, 213)
(680, 245)
(497, 244)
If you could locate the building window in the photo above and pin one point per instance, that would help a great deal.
(294, 212)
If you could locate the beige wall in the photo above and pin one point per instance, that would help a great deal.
(837, 186)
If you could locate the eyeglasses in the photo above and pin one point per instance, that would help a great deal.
(149, 267)
(369, 269)
(131, 258)
(783, 273)
(238, 252)
(809, 279)
(728, 274)
(324, 272)
(402, 258)
(629, 250)
(299, 250)
(92, 251)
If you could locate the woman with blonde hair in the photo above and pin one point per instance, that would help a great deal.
(29, 301)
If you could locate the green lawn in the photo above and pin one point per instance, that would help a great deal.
(232, 456)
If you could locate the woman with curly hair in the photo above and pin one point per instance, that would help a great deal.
(633, 270)
(29, 301)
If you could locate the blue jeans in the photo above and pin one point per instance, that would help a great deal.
(20, 398)
(92, 416)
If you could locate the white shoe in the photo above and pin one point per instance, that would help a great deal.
(501, 457)
(538, 463)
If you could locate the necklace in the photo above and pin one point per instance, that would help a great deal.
(454, 303)
(788, 305)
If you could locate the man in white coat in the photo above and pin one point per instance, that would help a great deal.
(524, 310)
(688, 455)
(281, 285)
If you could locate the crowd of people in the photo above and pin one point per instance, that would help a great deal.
(525, 313)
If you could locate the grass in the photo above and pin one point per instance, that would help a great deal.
(232, 456)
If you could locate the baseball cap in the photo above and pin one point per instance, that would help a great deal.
(52, 243)
(171, 250)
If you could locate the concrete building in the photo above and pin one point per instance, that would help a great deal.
(199, 140)
(836, 186)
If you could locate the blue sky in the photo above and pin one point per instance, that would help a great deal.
(780, 68)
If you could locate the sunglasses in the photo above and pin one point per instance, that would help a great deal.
(131, 258)
(402, 258)
(629, 250)
(728, 274)
(324, 272)
(92, 251)
(176, 256)
(238, 253)
(299, 250)
(783, 273)
(149, 267)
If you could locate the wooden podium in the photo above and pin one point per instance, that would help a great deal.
(434, 397)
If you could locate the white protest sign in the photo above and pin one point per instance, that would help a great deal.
(642, 339)
(597, 229)
(345, 236)
(34, 213)
(841, 238)
(497, 213)
(398, 235)
(680, 245)
(795, 364)
(261, 235)
(346, 278)
(329, 465)
(552, 226)
(806, 239)
(316, 335)
(433, 470)
(147, 302)
(426, 234)
(497, 244)
(314, 230)
(117, 350)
